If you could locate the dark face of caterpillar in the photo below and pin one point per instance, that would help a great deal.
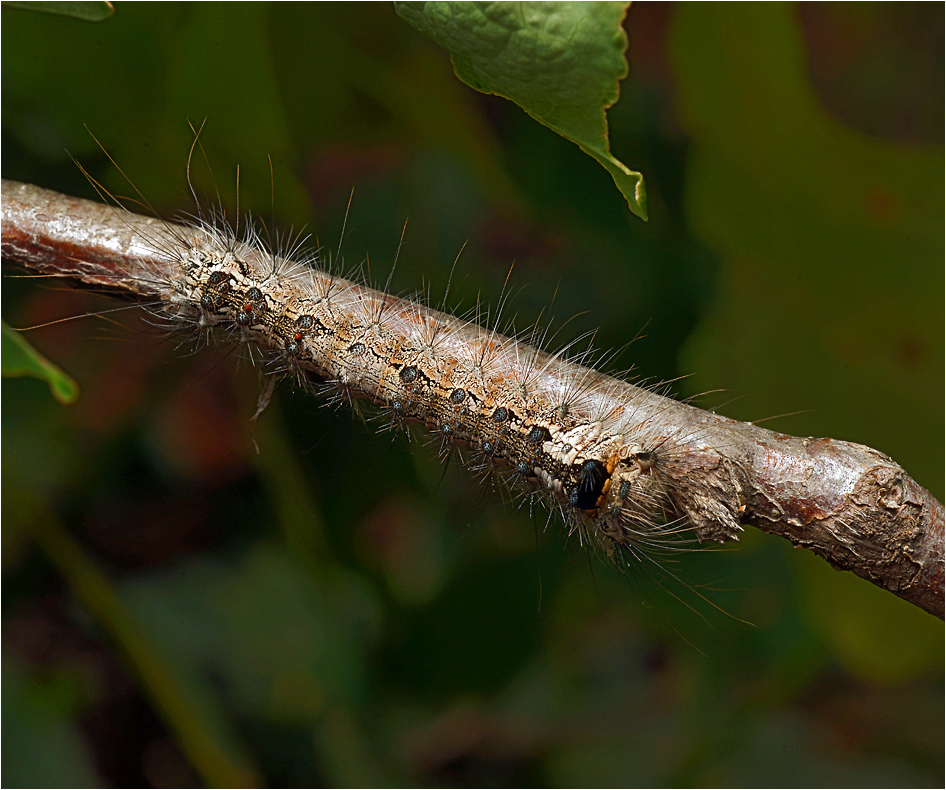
(591, 481)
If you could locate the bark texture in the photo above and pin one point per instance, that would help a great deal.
(850, 504)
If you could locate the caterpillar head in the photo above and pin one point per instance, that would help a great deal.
(619, 495)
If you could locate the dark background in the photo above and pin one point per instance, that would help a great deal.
(181, 609)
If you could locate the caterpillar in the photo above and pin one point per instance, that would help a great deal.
(627, 467)
(588, 691)
(599, 450)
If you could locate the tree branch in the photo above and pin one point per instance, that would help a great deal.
(846, 502)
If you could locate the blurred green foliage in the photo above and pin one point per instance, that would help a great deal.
(332, 609)
(20, 359)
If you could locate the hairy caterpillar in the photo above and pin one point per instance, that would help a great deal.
(597, 447)
(488, 548)
(624, 465)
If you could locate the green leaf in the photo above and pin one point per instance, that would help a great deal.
(21, 359)
(89, 11)
(560, 62)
